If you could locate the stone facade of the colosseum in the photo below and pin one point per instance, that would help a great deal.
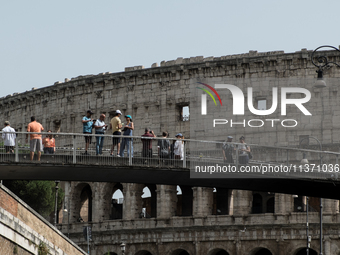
(200, 220)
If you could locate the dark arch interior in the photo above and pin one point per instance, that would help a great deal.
(86, 204)
(304, 252)
(116, 208)
(219, 252)
(180, 252)
(257, 203)
(263, 251)
(184, 201)
(143, 253)
(271, 205)
(150, 203)
(220, 204)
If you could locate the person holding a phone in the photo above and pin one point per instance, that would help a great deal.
(127, 131)
(100, 128)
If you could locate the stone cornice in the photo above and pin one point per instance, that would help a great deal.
(186, 68)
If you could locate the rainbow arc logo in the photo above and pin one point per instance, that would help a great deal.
(204, 97)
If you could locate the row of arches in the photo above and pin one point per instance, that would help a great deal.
(184, 206)
(262, 202)
(219, 251)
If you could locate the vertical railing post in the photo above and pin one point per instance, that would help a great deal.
(236, 156)
(337, 165)
(184, 155)
(130, 151)
(16, 150)
(74, 149)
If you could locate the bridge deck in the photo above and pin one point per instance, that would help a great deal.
(70, 164)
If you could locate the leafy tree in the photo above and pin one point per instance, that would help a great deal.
(40, 195)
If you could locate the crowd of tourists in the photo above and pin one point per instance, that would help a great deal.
(123, 145)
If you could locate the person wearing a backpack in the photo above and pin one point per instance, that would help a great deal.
(164, 147)
(227, 150)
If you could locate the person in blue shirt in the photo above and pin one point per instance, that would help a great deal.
(87, 129)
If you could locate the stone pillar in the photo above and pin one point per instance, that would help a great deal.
(231, 201)
(96, 204)
(132, 205)
(166, 201)
(203, 201)
(327, 246)
(284, 203)
(330, 206)
(242, 202)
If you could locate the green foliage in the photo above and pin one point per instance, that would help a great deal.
(15, 249)
(40, 195)
(43, 249)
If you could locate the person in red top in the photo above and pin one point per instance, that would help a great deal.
(49, 143)
(35, 139)
(147, 143)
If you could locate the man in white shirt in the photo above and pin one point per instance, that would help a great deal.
(9, 137)
(100, 127)
(179, 147)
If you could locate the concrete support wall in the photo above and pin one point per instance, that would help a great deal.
(22, 226)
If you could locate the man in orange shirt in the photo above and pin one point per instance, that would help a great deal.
(35, 139)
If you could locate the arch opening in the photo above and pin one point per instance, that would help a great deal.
(263, 251)
(184, 201)
(220, 201)
(180, 252)
(85, 204)
(117, 202)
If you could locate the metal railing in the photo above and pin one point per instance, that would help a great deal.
(267, 161)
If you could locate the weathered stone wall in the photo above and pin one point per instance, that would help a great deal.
(280, 233)
(23, 228)
(241, 231)
(154, 97)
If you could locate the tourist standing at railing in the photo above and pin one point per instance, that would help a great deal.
(87, 129)
(127, 131)
(49, 143)
(164, 147)
(179, 147)
(9, 137)
(35, 139)
(100, 128)
(227, 150)
(147, 143)
(116, 126)
(243, 151)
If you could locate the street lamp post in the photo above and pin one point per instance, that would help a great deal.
(68, 217)
(321, 63)
(56, 202)
(306, 162)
